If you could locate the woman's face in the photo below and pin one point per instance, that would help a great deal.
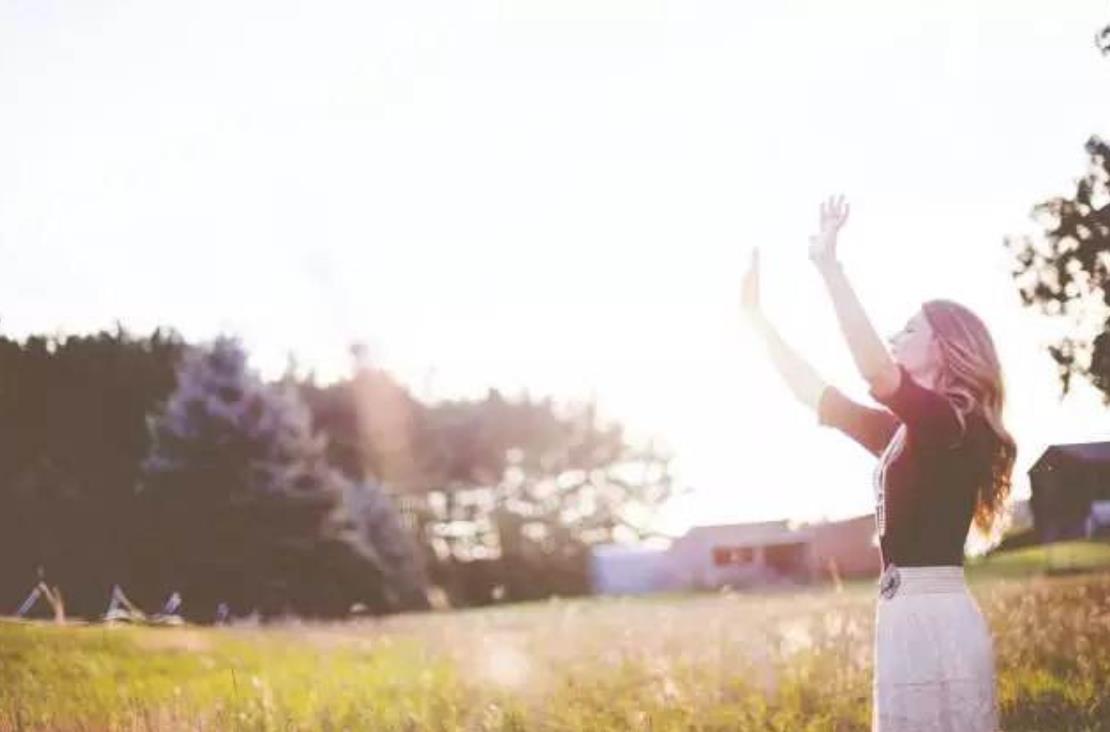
(915, 348)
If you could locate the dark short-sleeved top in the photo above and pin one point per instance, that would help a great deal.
(931, 463)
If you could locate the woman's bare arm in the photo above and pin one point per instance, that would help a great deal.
(870, 355)
(803, 381)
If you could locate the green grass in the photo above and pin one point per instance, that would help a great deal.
(1061, 558)
(775, 661)
(144, 678)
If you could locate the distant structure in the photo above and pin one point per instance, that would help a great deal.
(1070, 487)
(121, 609)
(52, 595)
(741, 555)
(616, 569)
(169, 614)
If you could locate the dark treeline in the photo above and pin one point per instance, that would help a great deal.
(164, 466)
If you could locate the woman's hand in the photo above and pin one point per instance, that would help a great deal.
(749, 293)
(868, 351)
(822, 246)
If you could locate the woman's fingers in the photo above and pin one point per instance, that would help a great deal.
(834, 211)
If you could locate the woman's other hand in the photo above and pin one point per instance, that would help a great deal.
(822, 246)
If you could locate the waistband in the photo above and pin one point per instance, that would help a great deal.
(922, 581)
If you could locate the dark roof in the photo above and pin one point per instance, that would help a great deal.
(1093, 453)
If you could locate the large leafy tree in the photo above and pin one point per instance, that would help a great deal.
(246, 507)
(500, 494)
(572, 481)
(560, 474)
(1066, 272)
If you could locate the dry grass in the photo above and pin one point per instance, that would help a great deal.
(789, 661)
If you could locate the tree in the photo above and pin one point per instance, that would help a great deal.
(245, 504)
(73, 415)
(369, 421)
(522, 489)
(1067, 272)
(497, 492)
(378, 529)
(576, 482)
(372, 424)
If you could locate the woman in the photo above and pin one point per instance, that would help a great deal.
(945, 461)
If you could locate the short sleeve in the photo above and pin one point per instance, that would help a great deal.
(871, 428)
(929, 416)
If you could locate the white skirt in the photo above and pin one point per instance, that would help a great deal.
(934, 660)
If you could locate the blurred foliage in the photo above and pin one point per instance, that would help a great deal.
(292, 496)
(505, 496)
(73, 412)
(243, 506)
(1066, 272)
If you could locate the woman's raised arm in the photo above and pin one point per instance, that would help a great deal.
(803, 380)
(870, 355)
(871, 428)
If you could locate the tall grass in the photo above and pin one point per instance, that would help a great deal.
(782, 661)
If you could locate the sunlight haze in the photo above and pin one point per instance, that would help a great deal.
(557, 197)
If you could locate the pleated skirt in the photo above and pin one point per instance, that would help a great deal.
(934, 659)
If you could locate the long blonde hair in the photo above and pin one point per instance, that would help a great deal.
(971, 376)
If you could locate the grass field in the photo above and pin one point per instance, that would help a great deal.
(1054, 559)
(777, 661)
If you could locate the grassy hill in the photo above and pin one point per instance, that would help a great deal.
(1067, 557)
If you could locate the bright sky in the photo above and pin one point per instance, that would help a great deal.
(557, 195)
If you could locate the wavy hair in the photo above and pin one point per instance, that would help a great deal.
(971, 376)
